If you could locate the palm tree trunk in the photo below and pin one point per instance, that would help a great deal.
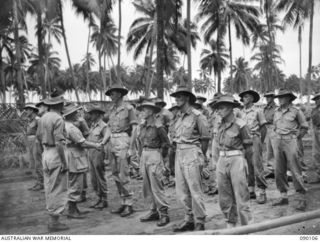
(153, 39)
(119, 44)
(40, 39)
(310, 48)
(101, 72)
(269, 81)
(21, 99)
(300, 60)
(189, 44)
(75, 86)
(230, 48)
(88, 65)
(160, 48)
(3, 79)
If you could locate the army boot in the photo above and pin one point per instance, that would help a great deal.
(164, 218)
(54, 224)
(73, 211)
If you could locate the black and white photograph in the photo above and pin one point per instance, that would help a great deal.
(192, 118)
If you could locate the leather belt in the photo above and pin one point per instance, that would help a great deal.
(286, 136)
(150, 148)
(230, 153)
(186, 146)
(116, 135)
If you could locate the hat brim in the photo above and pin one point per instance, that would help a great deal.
(154, 108)
(269, 95)
(293, 97)
(173, 108)
(71, 111)
(123, 91)
(202, 98)
(51, 103)
(193, 98)
(32, 108)
(96, 111)
(315, 98)
(219, 103)
(256, 96)
(162, 103)
(39, 104)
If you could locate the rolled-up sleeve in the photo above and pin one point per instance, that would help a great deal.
(76, 136)
(302, 120)
(203, 127)
(132, 116)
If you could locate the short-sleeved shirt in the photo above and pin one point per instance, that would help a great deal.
(191, 127)
(254, 119)
(121, 118)
(97, 131)
(153, 135)
(233, 135)
(289, 120)
(32, 126)
(315, 117)
(51, 129)
(77, 158)
(269, 111)
(164, 116)
(172, 130)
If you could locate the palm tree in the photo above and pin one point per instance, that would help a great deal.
(242, 75)
(87, 62)
(214, 59)
(310, 48)
(219, 15)
(189, 43)
(119, 42)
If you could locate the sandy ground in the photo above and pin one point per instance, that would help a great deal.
(23, 211)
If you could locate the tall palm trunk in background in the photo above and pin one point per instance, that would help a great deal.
(153, 40)
(310, 48)
(3, 79)
(230, 48)
(41, 54)
(87, 65)
(300, 59)
(160, 48)
(21, 99)
(119, 44)
(102, 74)
(189, 44)
(74, 81)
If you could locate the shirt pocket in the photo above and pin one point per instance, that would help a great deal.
(290, 117)
(188, 126)
(230, 138)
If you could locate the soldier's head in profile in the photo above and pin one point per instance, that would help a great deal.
(184, 96)
(116, 92)
(285, 97)
(225, 105)
(148, 109)
(269, 97)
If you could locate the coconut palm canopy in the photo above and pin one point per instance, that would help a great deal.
(158, 39)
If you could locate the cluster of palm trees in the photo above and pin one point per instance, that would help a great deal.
(161, 36)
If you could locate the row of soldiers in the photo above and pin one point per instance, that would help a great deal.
(178, 140)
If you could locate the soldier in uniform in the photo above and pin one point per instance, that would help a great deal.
(122, 122)
(256, 122)
(290, 123)
(96, 157)
(77, 159)
(269, 111)
(165, 116)
(51, 134)
(155, 143)
(315, 119)
(31, 112)
(233, 138)
(192, 137)
(201, 100)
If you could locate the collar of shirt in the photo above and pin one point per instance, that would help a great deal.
(116, 108)
(248, 110)
(271, 105)
(188, 112)
(98, 123)
(147, 124)
(227, 125)
(284, 110)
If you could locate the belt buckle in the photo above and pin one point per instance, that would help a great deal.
(223, 153)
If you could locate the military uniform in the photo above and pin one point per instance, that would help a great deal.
(31, 138)
(96, 159)
(287, 123)
(269, 111)
(153, 138)
(77, 162)
(51, 130)
(255, 119)
(190, 128)
(315, 118)
(120, 120)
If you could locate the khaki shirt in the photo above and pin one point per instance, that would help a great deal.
(77, 159)
(289, 120)
(121, 118)
(315, 117)
(164, 116)
(191, 127)
(51, 129)
(153, 135)
(269, 111)
(32, 126)
(233, 135)
(81, 124)
(97, 131)
(254, 119)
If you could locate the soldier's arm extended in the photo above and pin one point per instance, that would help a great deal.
(106, 136)
(78, 138)
(245, 137)
(59, 138)
(262, 123)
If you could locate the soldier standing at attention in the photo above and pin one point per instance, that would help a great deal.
(256, 123)
(77, 159)
(192, 137)
(122, 122)
(155, 142)
(315, 118)
(31, 112)
(96, 157)
(290, 123)
(269, 111)
(51, 134)
(233, 138)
